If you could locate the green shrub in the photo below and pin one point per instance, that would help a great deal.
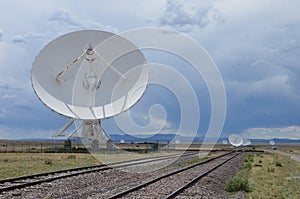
(48, 162)
(271, 170)
(260, 161)
(250, 158)
(247, 166)
(238, 183)
(278, 164)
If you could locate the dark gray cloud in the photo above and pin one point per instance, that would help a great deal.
(257, 52)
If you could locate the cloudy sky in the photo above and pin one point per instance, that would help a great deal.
(255, 45)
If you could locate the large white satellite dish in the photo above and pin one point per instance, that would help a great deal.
(89, 75)
(271, 142)
(235, 140)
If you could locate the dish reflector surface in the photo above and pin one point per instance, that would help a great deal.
(235, 140)
(90, 74)
(246, 142)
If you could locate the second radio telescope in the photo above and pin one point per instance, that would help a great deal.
(89, 74)
(235, 140)
(246, 142)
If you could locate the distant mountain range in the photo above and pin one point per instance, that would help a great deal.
(173, 138)
(276, 140)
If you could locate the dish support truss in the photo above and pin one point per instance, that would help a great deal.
(89, 129)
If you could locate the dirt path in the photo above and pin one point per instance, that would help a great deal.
(290, 155)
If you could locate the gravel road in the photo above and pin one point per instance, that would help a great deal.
(290, 155)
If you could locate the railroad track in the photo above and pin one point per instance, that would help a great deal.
(26, 181)
(164, 186)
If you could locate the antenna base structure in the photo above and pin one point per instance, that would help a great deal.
(90, 130)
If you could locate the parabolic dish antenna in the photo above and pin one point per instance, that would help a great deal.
(246, 142)
(235, 140)
(224, 142)
(89, 74)
(272, 143)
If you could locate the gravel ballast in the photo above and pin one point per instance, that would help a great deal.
(107, 183)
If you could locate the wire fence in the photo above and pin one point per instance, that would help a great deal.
(35, 146)
(77, 146)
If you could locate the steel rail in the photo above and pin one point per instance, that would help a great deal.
(196, 179)
(81, 170)
(135, 188)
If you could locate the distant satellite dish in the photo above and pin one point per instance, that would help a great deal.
(122, 141)
(225, 142)
(235, 140)
(89, 74)
(272, 143)
(177, 141)
(246, 142)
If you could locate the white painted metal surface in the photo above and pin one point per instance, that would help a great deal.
(89, 74)
(235, 140)
(246, 142)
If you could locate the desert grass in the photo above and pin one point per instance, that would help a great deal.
(22, 164)
(294, 149)
(274, 176)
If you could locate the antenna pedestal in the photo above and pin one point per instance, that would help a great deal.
(92, 130)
